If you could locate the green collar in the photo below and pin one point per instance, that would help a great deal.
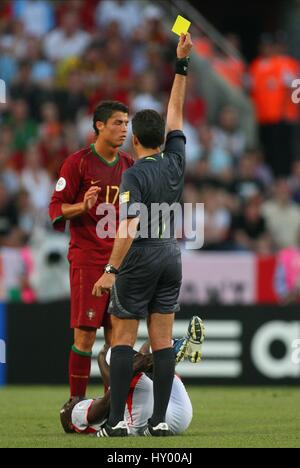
(110, 164)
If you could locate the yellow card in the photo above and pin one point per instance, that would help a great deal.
(181, 25)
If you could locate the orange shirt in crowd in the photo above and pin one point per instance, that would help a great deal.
(271, 82)
(204, 47)
(231, 69)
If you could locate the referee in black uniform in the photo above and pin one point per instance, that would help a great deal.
(145, 271)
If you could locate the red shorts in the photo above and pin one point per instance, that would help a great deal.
(86, 309)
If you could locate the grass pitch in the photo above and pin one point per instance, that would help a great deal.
(223, 417)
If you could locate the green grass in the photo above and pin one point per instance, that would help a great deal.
(223, 417)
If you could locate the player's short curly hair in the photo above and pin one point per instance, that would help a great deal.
(149, 128)
(105, 110)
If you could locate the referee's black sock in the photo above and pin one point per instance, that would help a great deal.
(164, 371)
(121, 371)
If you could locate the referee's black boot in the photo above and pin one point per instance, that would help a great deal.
(161, 430)
(120, 430)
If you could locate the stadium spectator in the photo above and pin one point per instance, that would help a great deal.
(195, 106)
(248, 182)
(35, 180)
(148, 96)
(42, 71)
(27, 213)
(118, 77)
(249, 227)
(231, 68)
(271, 77)
(155, 32)
(23, 88)
(287, 277)
(68, 40)
(8, 177)
(14, 39)
(24, 128)
(6, 13)
(36, 15)
(109, 11)
(8, 216)
(73, 99)
(217, 219)
(295, 181)
(228, 134)
(50, 125)
(84, 8)
(93, 67)
(218, 158)
(192, 144)
(282, 216)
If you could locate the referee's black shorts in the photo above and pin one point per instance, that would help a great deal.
(149, 280)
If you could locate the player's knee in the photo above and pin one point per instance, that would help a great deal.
(160, 344)
(181, 419)
(125, 340)
(84, 340)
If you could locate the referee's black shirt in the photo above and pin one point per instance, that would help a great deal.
(153, 181)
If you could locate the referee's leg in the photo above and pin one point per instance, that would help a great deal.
(160, 329)
(124, 333)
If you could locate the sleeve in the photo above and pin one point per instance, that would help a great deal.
(175, 145)
(130, 196)
(66, 191)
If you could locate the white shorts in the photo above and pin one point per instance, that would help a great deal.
(140, 404)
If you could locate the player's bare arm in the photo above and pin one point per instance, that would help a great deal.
(176, 102)
(123, 242)
(103, 366)
(99, 410)
(78, 209)
(143, 362)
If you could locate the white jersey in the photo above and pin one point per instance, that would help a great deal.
(139, 408)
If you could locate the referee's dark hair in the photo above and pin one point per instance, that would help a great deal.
(105, 110)
(148, 126)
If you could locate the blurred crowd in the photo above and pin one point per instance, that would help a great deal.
(60, 58)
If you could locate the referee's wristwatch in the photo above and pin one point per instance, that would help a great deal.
(111, 270)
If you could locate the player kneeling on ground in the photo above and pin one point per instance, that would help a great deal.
(89, 416)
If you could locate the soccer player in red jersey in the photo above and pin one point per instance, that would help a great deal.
(89, 178)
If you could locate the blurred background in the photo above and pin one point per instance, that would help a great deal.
(58, 59)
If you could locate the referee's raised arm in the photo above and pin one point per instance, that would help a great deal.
(176, 102)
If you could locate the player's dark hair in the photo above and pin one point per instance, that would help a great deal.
(149, 128)
(105, 110)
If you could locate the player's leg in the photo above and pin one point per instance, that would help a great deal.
(160, 329)
(190, 346)
(139, 404)
(162, 310)
(121, 366)
(80, 360)
(131, 294)
(180, 411)
(87, 315)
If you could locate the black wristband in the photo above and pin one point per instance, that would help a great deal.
(182, 66)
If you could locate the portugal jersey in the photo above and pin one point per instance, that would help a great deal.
(91, 243)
